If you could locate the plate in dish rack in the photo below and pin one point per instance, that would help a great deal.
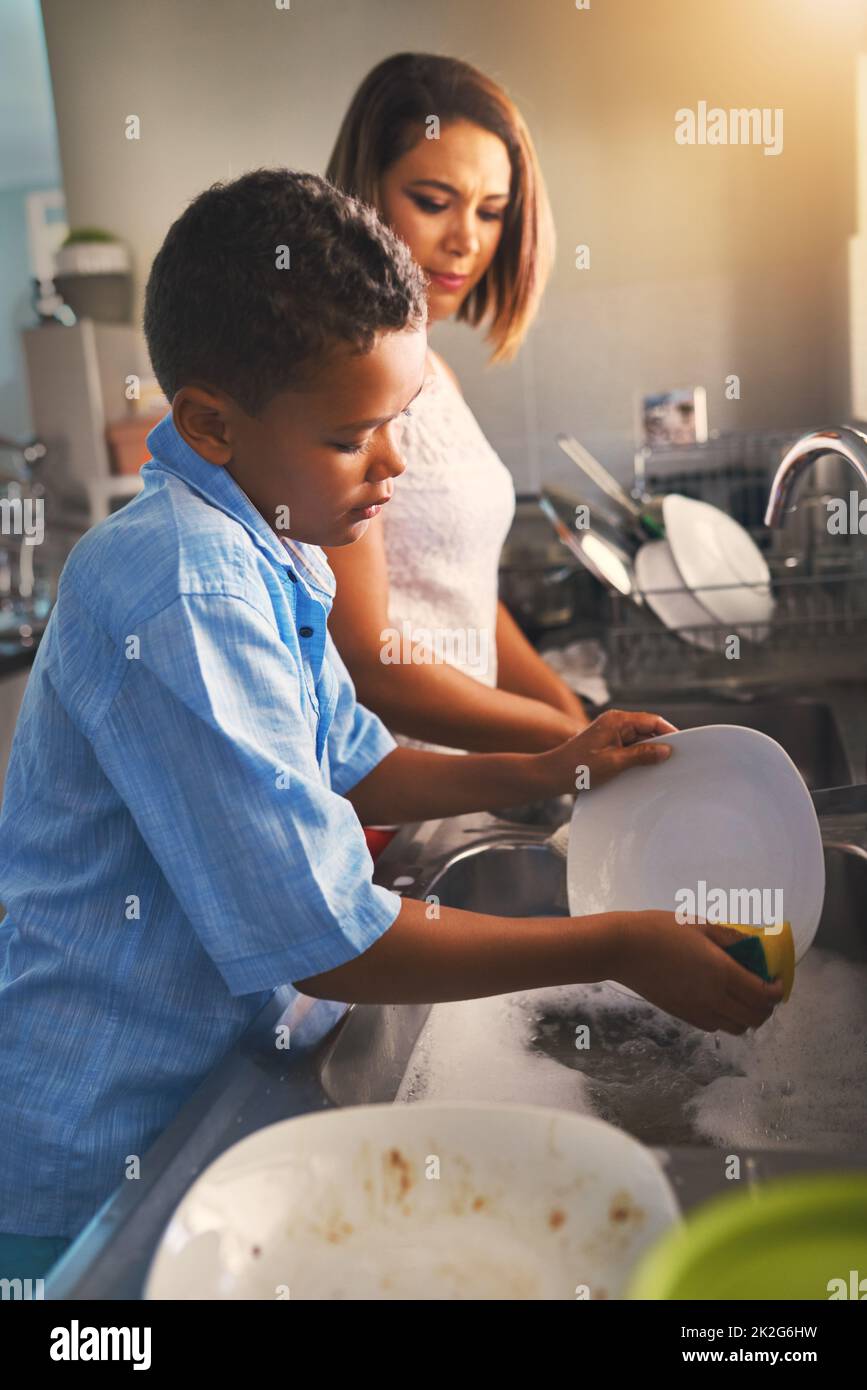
(711, 549)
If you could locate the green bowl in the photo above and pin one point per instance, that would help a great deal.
(787, 1239)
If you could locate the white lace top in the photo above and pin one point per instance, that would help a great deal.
(444, 529)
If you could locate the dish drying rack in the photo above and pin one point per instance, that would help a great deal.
(818, 581)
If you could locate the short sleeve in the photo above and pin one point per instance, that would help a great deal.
(209, 744)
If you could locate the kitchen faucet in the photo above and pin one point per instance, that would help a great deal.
(846, 441)
(847, 803)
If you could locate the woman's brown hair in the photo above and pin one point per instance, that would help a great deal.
(386, 118)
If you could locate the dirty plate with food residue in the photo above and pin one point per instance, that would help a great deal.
(461, 1201)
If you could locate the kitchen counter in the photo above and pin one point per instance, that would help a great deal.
(256, 1085)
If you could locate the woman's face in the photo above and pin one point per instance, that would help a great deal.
(446, 198)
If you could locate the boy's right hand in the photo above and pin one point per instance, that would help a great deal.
(680, 968)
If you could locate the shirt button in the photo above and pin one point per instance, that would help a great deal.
(305, 631)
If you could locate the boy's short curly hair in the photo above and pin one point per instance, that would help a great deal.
(259, 278)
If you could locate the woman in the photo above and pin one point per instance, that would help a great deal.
(443, 154)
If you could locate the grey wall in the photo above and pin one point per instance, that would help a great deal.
(28, 162)
(705, 261)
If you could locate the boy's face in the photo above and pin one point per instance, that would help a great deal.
(317, 463)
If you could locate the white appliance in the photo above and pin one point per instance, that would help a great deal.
(78, 377)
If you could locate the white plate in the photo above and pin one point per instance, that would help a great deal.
(728, 808)
(710, 548)
(459, 1201)
(660, 584)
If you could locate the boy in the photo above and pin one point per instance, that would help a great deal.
(181, 829)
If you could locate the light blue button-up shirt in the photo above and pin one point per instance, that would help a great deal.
(175, 841)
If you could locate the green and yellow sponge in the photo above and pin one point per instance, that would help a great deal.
(770, 956)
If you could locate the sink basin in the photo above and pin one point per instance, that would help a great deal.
(843, 925)
(507, 879)
(660, 1080)
(806, 729)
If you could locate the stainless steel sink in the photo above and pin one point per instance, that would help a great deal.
(647, 1071)
(843, 927)
(646, 1068)
(510, 870)
(365, 1060)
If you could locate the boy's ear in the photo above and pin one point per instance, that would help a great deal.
(202, 419)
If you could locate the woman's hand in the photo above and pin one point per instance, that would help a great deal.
(680, 968)
(611, 744)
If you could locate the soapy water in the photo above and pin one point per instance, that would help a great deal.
(799, 1081)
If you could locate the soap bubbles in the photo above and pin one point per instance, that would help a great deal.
(790, 1083)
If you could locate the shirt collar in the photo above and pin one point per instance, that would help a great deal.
(171, 453)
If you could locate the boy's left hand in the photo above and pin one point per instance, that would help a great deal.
(613, 743)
